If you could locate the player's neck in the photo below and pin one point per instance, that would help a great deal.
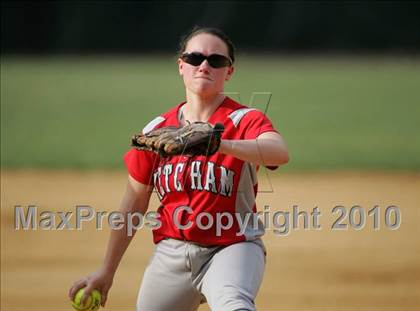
(201, 108)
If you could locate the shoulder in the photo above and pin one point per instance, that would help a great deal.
(170, 117)
(246, 122)
(240, 114)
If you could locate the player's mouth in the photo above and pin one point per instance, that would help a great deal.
(206, 78)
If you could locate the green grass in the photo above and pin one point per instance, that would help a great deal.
(335, 113)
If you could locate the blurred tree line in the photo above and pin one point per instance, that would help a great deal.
(132, 27)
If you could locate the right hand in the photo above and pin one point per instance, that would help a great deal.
(100, 280)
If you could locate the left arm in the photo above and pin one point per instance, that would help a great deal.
(268, 149)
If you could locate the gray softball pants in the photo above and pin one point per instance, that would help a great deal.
(181, 275)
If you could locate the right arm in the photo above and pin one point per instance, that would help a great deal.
(136, 199)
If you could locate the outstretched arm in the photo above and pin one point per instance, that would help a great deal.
(268, 149)
(136, 199)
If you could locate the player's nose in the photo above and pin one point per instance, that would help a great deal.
(204, 66)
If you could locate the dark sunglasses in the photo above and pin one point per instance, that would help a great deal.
(214, 60)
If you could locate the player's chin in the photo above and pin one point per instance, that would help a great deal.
(204, 83)
(205, 89)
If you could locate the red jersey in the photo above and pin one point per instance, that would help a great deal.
(190, 186)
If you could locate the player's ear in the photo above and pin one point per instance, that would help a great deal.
(180, 66)
(229, 73)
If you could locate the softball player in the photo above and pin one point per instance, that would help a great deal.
(208, 246)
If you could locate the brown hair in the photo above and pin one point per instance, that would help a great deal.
(213, 31)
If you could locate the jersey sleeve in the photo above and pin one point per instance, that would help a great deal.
(141, 164)
(255, 123)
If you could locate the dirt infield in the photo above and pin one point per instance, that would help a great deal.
(310, 269)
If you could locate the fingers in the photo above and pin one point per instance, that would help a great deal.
(104, 298)
(88, 290)
(99, 280)
(90, 287)
(76, 286)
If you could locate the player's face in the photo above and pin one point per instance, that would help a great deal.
(203, 79)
